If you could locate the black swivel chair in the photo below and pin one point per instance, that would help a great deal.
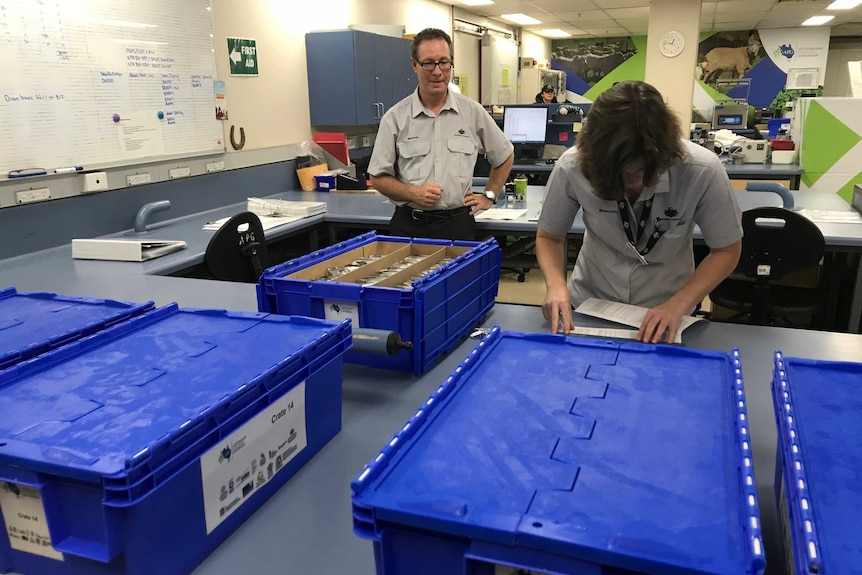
(237, 251)
(776, 242)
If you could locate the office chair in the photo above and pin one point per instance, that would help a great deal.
(776, 242)
(513, 258)
(237, 252)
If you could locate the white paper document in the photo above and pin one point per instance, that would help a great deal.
(500, 214)
(268, 222)
(606, 332)
(626, 314)
(832, 216)
(123, 250)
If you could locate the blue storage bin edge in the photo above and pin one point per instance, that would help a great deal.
(747, 481)
(342, 333)
(365, 524)
(803, 526)
(125, 311)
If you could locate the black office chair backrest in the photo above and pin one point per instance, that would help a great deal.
(237, 251)
(777, 242)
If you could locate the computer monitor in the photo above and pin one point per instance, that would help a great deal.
(526, 127)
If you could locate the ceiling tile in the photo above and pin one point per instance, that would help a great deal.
(560, 5)
(607, 32)
(584, 16)
(629, 22)
(619, 13)
(605, 4)
(740, 17)
(545, 17)
(743, 6)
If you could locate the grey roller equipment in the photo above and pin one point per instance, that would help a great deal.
(378, 341)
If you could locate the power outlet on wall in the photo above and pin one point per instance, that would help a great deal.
(37, 195)
(215, 167)
(180, 172)
(138, 179)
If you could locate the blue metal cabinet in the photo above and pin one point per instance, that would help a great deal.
(354, 77)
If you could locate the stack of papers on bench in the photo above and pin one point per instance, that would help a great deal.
(123, 250)
(268, 222)
(278, 208)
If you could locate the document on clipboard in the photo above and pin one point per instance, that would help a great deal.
(123, 250)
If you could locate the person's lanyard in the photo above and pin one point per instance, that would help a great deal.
(630, 234)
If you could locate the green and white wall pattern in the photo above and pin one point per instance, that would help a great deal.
(830, 132)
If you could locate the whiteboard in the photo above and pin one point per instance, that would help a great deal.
(98, 82)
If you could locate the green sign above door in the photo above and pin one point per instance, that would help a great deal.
(242, 54)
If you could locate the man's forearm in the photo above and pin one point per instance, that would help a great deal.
(498, 175)
(393, 188)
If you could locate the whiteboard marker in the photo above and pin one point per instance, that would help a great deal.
(67, 170)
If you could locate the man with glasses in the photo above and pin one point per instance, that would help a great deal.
(426, 149)
(642, 189)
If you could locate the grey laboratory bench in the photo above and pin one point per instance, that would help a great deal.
(791, 172)
(306, 528)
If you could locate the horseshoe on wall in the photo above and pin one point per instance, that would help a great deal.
(241, 138)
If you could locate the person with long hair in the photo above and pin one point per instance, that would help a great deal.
(642, 189)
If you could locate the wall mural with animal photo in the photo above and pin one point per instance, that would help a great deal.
(593, 65)
(764, 60)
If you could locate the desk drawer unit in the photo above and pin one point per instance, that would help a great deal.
(432, 292)
(138, 450)
(34, 323)
(818, 410)
(569, 456)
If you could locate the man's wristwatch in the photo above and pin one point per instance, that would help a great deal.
(490, 195)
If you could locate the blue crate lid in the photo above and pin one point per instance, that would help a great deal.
(33, 323)
(621, 454)
(819, 413)
(122, 402)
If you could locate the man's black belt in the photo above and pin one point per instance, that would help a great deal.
(432, 215)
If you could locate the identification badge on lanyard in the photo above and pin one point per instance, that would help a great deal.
(635, 240)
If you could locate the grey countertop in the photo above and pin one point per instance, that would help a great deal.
(307, 526)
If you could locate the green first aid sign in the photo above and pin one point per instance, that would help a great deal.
(242, 54)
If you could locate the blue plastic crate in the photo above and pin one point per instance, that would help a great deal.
(818, 409)
(34, 323)
(139, 449)
(436, 315)
(569, 456)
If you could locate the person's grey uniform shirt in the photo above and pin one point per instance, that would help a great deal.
(695, 190)
(417, 147)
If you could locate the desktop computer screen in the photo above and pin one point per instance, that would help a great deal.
(525, 124)
(526, 127)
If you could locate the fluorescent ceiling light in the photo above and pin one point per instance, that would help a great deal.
(486, 2)
(817, 20)
(844, 4)
(557, 33)
(521, 19)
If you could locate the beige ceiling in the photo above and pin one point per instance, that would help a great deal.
(603, 18)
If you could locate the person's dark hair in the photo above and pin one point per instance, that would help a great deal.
(627, 122)
(429, 34)
(548, 89)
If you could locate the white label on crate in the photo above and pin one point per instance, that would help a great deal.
(251, 456)
(24, 515)
(337, 310)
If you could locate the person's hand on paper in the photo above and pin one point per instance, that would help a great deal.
(556, 307)
(427, 195)
(660, 323)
